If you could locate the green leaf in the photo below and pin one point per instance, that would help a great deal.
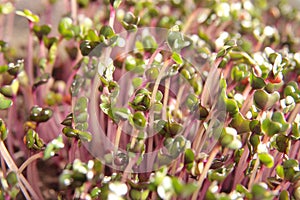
(83, 126)
(81, 105)
(181, 189)
(6, 90)
(235, 144)
(130, 63)
(29, 15)
(296, 130)
(222, 53)
(255, 126)
(52, 51)
(177, 58)
(149, 44)
(264, 100)
(206, 38)
(121, 159)
(65, 27)
(10, 90)
(92, 36)
(290, 167)
(86, 47)
(141, 101)
(176, 146)
(283, 143)
(266, 159)
(291, 163)
(219, 174)
(41, 80)
(243, 190)
(225, 50)
(240, 72)
(3, 130)
(176, 39)
(270, 127)
(189, 156)
(5, 103)
(108, 72)
(226, 139)
(95, 192)
(279, 117)
(292, 90)
(257, 82)
(224, 61)
(6, 8)
(105, 107)
(288, 104)
(201, 112)
(70, 132)
(83, 3)
(175, 128)
(41, 31)
(130, 21)
(12, 178)
(164, 159)
(81, 117)
(30, 138)
(120, 114)
(68, 120)
(238, 154)
(33, 141)
(84, 136)
(139, 194)
(152, 73)
(196, 83)
(168, 128)
(3, 68)
(254, 141)
(118, 188)
(115, 3)
(39, 114)
(107, 32)
(139, 120)
(136, 82)
(191, 101)
(231, 106)
(296, 193)
(240, 123)
(186, 74)
(53, 147)
(271, 87)
(260, 191)
(230, 139)
(49, 42)
(159, 96)
(280, 171)
(284, 195)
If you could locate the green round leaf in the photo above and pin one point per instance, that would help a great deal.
(284, 195)
(139, 120)
(266, 159)
(5, 103)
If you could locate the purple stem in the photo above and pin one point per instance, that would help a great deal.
(112, 16)
(242, 165)
(29, 64)
(72, 150)
(33, 178)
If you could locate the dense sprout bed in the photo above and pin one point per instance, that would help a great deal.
(180, 99)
